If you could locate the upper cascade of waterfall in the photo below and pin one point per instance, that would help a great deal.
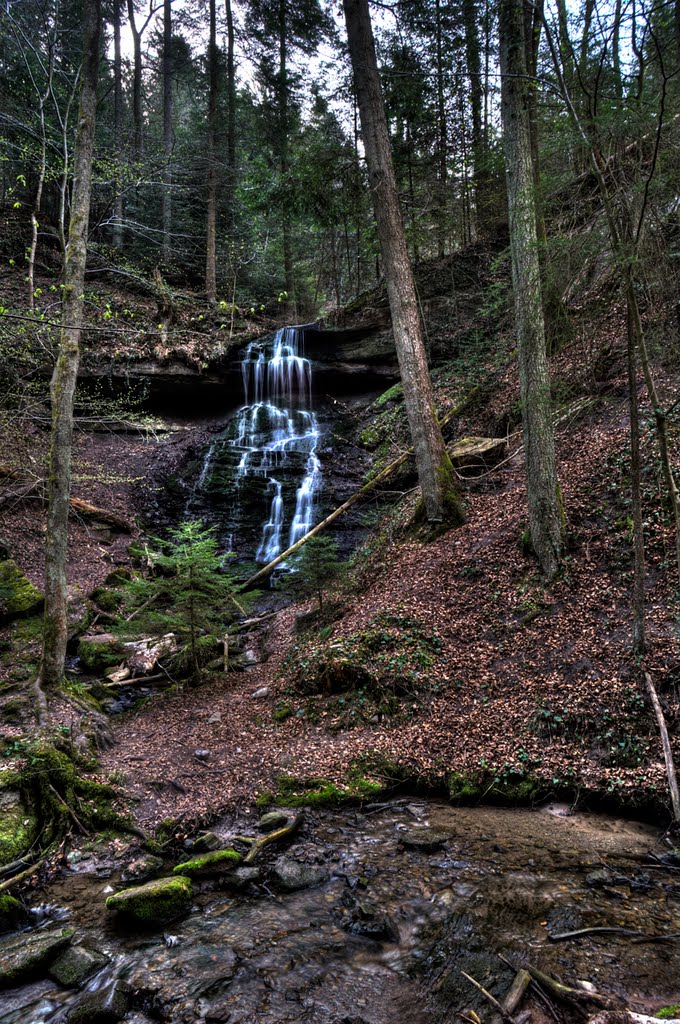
(277, 432)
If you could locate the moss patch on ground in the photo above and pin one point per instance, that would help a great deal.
(292, 792)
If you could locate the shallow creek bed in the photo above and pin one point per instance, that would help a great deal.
(370, 916)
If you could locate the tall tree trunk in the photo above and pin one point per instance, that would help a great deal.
(66, 369)
(474, 69)
(167, 129)
(543, 497)
(118, 126)
(211, 230)
(442, 140)
(284, 159)
(231, 123)
(137, 113)
(435, 475)
(636, 492)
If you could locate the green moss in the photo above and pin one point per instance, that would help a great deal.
(18, 596)
(12, 912)
(215, 862)
(393, 393)
(155, 903)
(292, 792)
(97, 653)
(453, 511)
(668, 1012)
(282, 711)
(18, 826)
(106, 599)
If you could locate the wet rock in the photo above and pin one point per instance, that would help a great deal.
(209, 865)
(424, 840)
(291, 874)
(12, 913)
(142, 869)
(598, 879)
(366, 919)
(75, 965)
(272, 820)
(241, 878)
(206, 843)
(18, 597)
(25, 957)
(155, 903)
(105, 1006)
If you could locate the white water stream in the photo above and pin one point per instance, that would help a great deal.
(274, 427)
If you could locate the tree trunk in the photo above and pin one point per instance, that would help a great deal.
(137, 115)
(167, 129)
(442, 141)
(117, 127)
(231, 123)
(435, 474)
(543, 497)
(211, 229)
(284, 159)
(636, 494)
(66, 369)
(474, 68)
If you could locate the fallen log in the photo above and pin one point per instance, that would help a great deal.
(666, 745)
(84, 508)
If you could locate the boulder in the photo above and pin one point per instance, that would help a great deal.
(75, 965)
(12, 913)
(241, 878)
(291, 874)
(18, 597)
(206, 843)
(209, 865)
(272, 820)
(142, 869)
(155, 903)
(105, 1006)
(27, 956)
(99, 651)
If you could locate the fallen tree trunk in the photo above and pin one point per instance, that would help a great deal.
(667, 749)
(84, 508)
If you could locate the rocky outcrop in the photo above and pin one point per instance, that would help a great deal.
(25, 957)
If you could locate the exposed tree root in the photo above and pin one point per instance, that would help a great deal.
(259, 844)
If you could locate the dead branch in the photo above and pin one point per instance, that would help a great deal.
(500, 1009)
(273, 837)
(666, 744)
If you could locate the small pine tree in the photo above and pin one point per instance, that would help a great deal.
(314, 568)
(192, 595)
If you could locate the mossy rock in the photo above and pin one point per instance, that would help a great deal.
(105, 1005)
(217, 862)
(75, 965)
(106, 599)
(100, 651)
(669, 1012)
(18, 826)
(12, 913)
(27, 956)
(18, 596)
(155, 903)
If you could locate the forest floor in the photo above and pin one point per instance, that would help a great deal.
(508, 688)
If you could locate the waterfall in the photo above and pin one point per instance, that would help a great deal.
(276, 432)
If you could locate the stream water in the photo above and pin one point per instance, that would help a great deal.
(410, 894)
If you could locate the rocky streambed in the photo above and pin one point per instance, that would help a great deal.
(368, 916)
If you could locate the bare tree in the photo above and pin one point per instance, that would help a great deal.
(435, 475)
(66, 369)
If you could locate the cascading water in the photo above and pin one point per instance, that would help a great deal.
(272, 446)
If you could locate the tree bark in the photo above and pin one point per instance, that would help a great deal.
(435, 475)
(543, 496)
(636, 494)
(211, 228)
(231, 122)
(442, 140)
(117, 233)
(66, 369)
(167, 130)
(474, 68)
(137, 114)
(284, 158)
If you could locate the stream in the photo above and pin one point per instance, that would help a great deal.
(398, 899)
